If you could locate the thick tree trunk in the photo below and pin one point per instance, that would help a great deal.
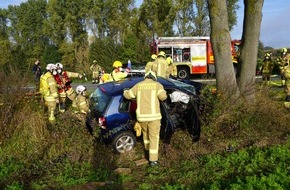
(249, 47)
(221, 43)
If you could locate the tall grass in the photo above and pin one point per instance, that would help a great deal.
(35, 154)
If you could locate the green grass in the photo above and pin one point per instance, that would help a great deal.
(37, 155)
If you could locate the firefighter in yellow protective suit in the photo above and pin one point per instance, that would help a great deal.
(63, 80)
(282, 60)
(285, 72)
(160, 65)
(118, 74)
(49, 91)
(147, 94)
(149, 64)
(106, 77)
(172, 69)
(81, 100)
(96, 70)
(266, 69)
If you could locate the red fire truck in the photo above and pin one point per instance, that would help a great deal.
(191, 55)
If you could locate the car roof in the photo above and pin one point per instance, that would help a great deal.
(117, 88)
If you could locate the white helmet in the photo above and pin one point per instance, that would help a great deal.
(59, 66)
(80, 89)
(50, 67)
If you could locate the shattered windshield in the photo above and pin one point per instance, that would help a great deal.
(187, 87)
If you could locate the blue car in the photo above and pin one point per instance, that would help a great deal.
(115, 116)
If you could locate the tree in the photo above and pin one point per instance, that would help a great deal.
(192, 17)
(249, 47)
(227, 83)
(221, 40)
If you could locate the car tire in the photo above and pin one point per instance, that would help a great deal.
(183, 73)
(124, 142)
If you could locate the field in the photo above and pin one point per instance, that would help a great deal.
(245, 147)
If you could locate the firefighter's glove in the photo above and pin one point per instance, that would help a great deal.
(138, 129)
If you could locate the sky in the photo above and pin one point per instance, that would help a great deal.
(275, 27)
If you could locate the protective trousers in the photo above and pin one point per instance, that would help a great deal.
(62, 99)
(150, 131)
(287, 92)
(50, 102)
(72, 96)
(95, 76)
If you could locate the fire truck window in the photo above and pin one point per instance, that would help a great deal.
(177, 57)
(186, 56)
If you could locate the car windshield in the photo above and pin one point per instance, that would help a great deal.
(187, 87)
(99, 100)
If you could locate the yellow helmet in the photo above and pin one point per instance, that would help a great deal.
(169, 60)
(153, 56)
(284, 50)
(95, 61)
(117, 64)
(162, 53)
(151, 75)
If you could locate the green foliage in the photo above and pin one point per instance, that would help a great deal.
(253, 168)
(35, 154)
(105, 51)
(51, 54)
(122, 30)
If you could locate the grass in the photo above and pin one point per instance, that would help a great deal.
(243, 147)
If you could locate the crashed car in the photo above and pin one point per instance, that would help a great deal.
(115, 115)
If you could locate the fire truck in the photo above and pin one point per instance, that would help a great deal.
(191, 55)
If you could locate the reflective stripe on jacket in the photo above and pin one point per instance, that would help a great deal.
(82, 104)
(160, 67)
(147, 93)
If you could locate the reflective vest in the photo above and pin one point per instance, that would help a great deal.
(44, 86)
(147, 93)
(160, 67)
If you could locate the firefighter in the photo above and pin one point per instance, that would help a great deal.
(117, 73)
(160, 66)
(172, 69)
(63, 80)
(266, 69)
(282, 60)
(285, 72)
(49, 91)
(96, 72)
(106, 77)
(148, 93)
(37, 72)
(149, 64)
(81, 100)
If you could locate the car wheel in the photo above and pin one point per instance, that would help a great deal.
(124, 142)
(183, 73)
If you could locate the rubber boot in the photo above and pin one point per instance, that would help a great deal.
(51, 117)
(61, 107)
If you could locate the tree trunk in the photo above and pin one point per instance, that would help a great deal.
(221, 44)
(249, 48)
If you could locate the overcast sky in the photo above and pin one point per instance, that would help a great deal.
(275, 28)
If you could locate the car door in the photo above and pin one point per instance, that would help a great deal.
(167, 126)
(194, 125)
